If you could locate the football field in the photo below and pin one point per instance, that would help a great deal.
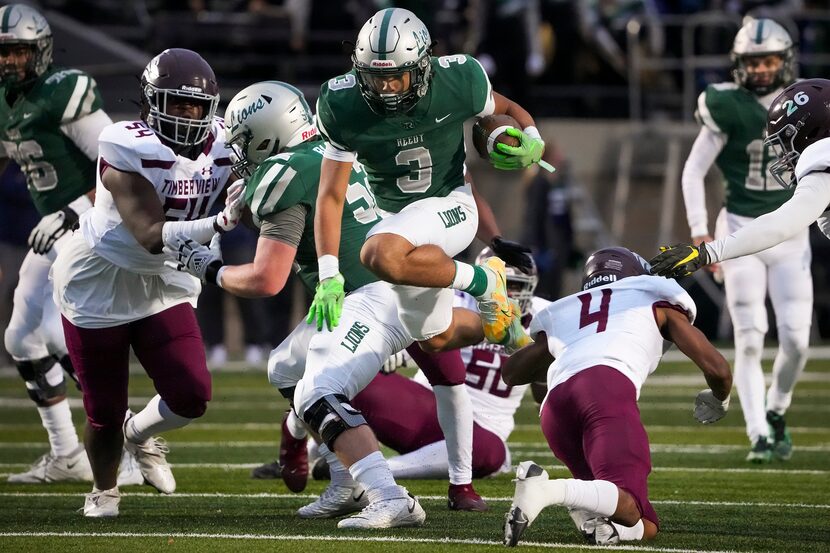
(708, 497)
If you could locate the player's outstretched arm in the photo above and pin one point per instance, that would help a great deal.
(529, 364)
(711, 404)
(266, 276)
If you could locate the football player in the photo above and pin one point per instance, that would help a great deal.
(271, 132)
(50, 119)
(157, 177)
(418, 436)
(596, 348)
(733, 123)
(400, 113)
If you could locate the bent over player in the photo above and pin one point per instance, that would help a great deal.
(157, 177)
(597, 348)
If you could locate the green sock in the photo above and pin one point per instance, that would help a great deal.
(478, 287)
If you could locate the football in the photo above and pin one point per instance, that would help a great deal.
(489, 130)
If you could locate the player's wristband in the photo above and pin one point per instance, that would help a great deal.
(212, 272)
(532, 132)
(80, 204)
(219, 276)
(327, 266)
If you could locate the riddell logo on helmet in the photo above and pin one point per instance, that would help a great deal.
(188, 88)
(382, 63)
(599, 279)
(309, 133)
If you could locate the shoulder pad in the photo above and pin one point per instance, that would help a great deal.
(712, 106)
(815, 157)
(665, 290)
(72, 94)
(131, 146)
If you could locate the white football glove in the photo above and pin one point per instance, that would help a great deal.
(229, 217)
(708, 408)
(50, 228)
(395, 362)
(189, 256)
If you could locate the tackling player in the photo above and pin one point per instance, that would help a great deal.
(597, 348)
(50, 119)
(157, 177)
(733, 117)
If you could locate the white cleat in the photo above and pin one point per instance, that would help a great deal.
(528, 501)
(102, 504)
(129, 473)
(49, 468)
(336, 501)
(600, 531)
(391, 507)
(152, 462)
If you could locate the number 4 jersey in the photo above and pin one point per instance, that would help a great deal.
(733, 111)
(613, 325)
(56, 170)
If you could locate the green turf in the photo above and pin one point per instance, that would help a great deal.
(708, 498)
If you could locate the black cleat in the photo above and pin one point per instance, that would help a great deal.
(515, 524)
(268, 471)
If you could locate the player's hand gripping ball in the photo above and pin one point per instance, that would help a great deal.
(491, 130)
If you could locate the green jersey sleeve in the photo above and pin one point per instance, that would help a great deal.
(74, 95)
(715, 107)
(336, 91)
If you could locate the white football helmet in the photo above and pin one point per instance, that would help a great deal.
(520, 286)
(21, 24)
(264, 119)
(762, 37)
(394, 42)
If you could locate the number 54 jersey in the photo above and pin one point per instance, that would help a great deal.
(613, 325)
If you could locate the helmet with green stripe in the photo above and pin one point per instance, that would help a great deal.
(392, 61)
(263, 119)
(23, 26)
(757, 39)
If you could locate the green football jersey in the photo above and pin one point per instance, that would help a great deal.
(735, 112)
(56, 170)
(291, 178)
(413, 155)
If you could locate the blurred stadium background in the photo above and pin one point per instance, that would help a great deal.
(613, 84)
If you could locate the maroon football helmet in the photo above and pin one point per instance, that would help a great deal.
(178, 73)
(798, 117)
(612, 264)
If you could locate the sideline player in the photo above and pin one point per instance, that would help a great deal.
(51, 118)
(733, 118)
(597, 348)
(157, 177)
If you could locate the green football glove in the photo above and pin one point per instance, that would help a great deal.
(679, 260)
(328, 302)
(528, 152)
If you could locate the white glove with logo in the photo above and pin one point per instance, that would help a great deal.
(50, 228)
(708, 408)
(395, 362)
(229, 217)
(189, 256)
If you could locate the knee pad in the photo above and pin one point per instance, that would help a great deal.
(332, 415)
(749, 343)
(67, 365)
(44, 379)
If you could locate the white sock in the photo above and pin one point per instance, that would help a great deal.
(154, 419)
(596, 496)
(428, 462)
(340, 475)
(295, 427)
(788, 366)
(464, 273)
(57, 420)
(630, 533)
(373, 472)
(455, 415)
(749, 380)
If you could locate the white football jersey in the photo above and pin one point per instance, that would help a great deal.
(611, 325)
(494, 402)
(186, 188)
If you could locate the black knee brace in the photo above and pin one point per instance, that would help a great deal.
(69, 368)
(34, 372)
(331, 416)
(288, 393)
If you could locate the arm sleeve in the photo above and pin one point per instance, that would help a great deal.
(84, 132)
(285, 226)
(705, 150)
(811, 198)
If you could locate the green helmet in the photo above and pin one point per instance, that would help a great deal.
(263, 119)
(21, 24)
(394, 42)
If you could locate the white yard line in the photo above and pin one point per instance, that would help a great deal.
(324, 537)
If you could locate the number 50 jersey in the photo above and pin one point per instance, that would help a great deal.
(613, 325)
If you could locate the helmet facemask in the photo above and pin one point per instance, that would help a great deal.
(384, 103)
(182, 131)
(784, 75)
(783, 148)
(521, 287)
